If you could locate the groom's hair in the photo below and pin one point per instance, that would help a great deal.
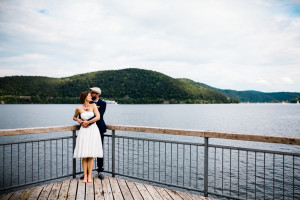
(83, 95)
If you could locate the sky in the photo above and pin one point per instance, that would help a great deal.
(228, 44)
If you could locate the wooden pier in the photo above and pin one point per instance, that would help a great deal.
(107, 189)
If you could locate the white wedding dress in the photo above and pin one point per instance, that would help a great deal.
(88, 142)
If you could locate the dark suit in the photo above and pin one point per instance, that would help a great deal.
(102, 128)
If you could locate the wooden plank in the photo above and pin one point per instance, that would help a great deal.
(115, 189)
(107, 189)
(55, 190)
(163, 193)
(184, 195)
(17, 194)
(134, 191)
(196, 197)
(186, 132)
(73, 189)
(173, 194)
(63, 193)
(22, 131)
(144, 192)
(36, 193)
(46, 191)
(80, 190)
(26, 193)
(6, 196)
(210, 134)
(99, 193)
(89, 191)
(124, 189)
(155, 195)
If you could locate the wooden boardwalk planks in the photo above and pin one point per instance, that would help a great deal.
(80, 190)
(46, 191)
(73, 189)
(163, 193)
(144, 192)
(134, 191)
(107, 189)
(124, 189)
(99, 193)
(55, 190)
(115, 189)
(36, 193)
(63, 194)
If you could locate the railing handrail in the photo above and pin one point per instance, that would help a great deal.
(183, 132)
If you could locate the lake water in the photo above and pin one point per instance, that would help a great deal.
(268, 119)
(274, 119)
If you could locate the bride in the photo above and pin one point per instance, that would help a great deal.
(88, 142)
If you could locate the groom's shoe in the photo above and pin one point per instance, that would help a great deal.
(100, 175)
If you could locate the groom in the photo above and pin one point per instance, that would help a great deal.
(101, 105)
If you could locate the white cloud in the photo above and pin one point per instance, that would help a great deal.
(287, 80)
(226, 43)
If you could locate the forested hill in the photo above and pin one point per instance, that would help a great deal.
(254, 96)
(124, 86)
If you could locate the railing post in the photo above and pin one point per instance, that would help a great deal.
(113, 153)
(206, 166)
(74, 159)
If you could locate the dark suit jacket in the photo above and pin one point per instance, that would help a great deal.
(101, 123)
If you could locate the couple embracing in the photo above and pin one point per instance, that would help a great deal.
(89, 142)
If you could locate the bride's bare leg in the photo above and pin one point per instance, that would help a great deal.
(90, 169)
(85, 168)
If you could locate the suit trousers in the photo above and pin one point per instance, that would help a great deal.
(100, 160)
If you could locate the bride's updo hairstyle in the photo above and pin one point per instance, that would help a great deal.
(83, 96)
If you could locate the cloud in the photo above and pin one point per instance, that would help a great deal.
(225, 43)
(287, 80)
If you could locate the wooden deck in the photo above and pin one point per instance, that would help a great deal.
(108, 189)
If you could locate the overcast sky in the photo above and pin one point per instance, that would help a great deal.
(228, 44)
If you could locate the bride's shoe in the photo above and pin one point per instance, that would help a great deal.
(84, 181)
(90, 180)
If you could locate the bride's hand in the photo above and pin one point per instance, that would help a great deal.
(85, 124)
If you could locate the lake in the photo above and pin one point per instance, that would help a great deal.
(268, 119)
(274, 119)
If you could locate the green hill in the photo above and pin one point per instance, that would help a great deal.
(255, 96)
(123, 86)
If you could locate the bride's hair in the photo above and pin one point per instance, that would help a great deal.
(83, 96)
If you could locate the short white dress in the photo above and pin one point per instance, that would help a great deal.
(88, 142)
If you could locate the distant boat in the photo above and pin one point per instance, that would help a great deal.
(297, 102)
(110, 101)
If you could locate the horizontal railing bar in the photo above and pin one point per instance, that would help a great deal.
(210, 134)
(42, 140)
(23, 131)
(254, 150)
(183, 132)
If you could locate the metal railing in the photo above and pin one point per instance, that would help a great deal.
(224, 171)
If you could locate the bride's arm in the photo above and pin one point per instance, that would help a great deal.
(97, 116)
(75, 116)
